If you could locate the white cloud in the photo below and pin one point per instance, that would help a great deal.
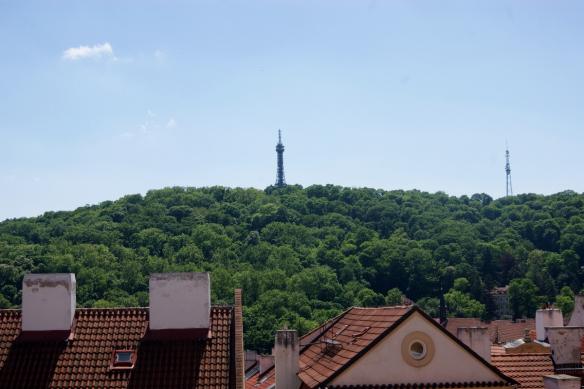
(83, 52)
(152, 127)
(171, 123)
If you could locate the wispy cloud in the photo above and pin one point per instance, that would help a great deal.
(171, 123)
(152, 126)
(84, 52)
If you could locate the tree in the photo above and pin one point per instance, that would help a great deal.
(523, 297)
(565, 300)
(463, 305)
(394, 297)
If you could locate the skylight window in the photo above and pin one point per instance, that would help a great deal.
(123, 359)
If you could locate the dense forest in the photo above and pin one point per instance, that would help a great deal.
(302, 255)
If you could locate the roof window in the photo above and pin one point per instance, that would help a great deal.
(123, 359)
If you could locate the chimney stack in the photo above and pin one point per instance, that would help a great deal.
(548, 317)
(287, 356)
(48, 302)
(477, 338)
(577, 318)
(561, 381)
(180, 301)
(565, 344)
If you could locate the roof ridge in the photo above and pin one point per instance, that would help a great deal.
(383, 307)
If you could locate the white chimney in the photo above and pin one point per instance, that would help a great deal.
(561, 381)
(577, 318)
(48, 302)
(180, 301)
(287, 356)
(565, 343)
(477, 338)
(548, 317)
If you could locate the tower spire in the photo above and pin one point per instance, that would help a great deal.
(280, 180)
(509, 188)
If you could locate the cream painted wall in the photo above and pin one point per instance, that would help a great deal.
(384, 363)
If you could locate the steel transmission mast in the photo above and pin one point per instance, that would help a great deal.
(280, 180)
(509, 189)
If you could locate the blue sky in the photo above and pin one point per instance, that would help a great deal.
(102, 99)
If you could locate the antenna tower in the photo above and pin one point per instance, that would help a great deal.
(280, 180)
(509, 188)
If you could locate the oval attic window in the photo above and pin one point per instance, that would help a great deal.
(417, 350)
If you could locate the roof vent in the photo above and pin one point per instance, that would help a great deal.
(180, 301)
(48, 302)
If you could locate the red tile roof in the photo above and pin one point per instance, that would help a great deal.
(84, 361)
(352, 333)
(500, 331)
(432, 385)
(527, 369)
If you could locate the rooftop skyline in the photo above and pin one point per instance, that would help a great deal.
(99, 102)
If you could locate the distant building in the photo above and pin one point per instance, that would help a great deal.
(500, 297)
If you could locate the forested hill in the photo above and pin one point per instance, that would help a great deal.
(303, 255)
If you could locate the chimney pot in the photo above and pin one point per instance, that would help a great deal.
(577, 317)
(548, 317)
(287, 356)
(565, 344)
(48, 302)
(477, 338)
(180, 301)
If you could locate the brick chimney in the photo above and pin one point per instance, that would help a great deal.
(577, 318)
(48, 302)
(548, 317)
(565, 344)
(287, 356)
(477, 338)
(180, 301)
(561, 381)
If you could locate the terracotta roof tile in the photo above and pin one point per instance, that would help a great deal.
(354, 330)
(527, 369)
(84, 361)
(500, 331)
(427, 385)
(350, 334)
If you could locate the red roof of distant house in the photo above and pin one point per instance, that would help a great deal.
(85, 361)
(527, 369)
(500, 331)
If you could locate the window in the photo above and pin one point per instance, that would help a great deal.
(417, 349)
(123, 359)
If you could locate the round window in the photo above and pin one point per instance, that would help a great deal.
(417, 350)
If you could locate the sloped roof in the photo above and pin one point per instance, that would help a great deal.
(500, 331)
(84, 361)
(352, 333)
(527, 369)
